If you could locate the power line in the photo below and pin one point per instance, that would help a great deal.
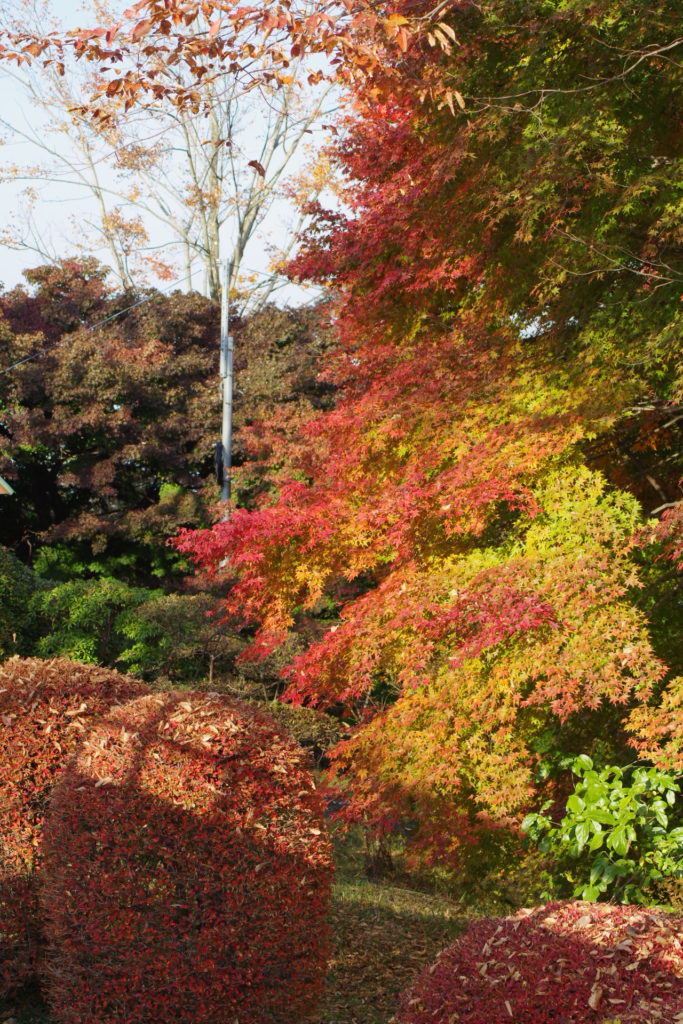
(121, 312)
(98, 324)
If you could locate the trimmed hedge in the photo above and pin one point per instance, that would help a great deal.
(45, 708)
(565, 963)
(187, 872)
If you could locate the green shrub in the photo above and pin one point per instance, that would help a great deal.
(175, 635)
(105, 621)
(19, 621)
(621, 835)
(83, 619)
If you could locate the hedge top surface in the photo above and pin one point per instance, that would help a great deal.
(200, 750)
(565, 963)
(187, 870)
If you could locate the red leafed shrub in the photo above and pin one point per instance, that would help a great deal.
(187, 872)
(45, 707)
(565, 963)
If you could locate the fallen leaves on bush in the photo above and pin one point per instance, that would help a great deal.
(565, 963)
(187, 870)
(45, 708)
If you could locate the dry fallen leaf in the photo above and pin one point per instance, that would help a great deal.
(595, 996)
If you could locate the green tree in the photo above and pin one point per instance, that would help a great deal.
(19, 623)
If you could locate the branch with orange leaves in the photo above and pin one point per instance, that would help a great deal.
(254, 44)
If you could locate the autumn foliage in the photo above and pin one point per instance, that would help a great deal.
(94, 431)
(108, 438)
(186, 870)
(143, 53)
(509, 304)
(576, 963)
(45, 708)
(461, 536)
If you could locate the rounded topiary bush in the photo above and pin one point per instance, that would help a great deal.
(45, 708)
(187, 872)
(565, 963)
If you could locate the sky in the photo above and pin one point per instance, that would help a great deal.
(61, 212)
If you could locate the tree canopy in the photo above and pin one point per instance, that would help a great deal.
(108, 435)
(480, 541)
(510, 380)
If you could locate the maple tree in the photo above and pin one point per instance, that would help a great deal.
(95, 427)
(510, 277)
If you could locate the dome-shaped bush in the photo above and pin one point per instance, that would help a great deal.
(187, 873)
(45, 707)
(566, 963)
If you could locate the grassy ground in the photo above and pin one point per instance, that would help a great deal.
(383, 935)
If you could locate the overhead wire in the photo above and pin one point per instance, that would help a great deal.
(121, 312)
(97, 325)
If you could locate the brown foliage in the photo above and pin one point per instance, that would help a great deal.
(108, 437)
(93, 429)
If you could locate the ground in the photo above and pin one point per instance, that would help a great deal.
(383, 936)
(384, 933)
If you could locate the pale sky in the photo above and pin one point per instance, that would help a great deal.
(60, 210)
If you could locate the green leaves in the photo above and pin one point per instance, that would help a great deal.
(581, 834)
(575, 804)
(625, 816)
(19, 625)
(83, 619)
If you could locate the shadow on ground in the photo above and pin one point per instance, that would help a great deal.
(383, 936)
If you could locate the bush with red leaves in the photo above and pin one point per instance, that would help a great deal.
(187, 872)
(45, 707)
(565, 963)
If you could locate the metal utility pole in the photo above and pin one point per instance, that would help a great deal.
(224, 447)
